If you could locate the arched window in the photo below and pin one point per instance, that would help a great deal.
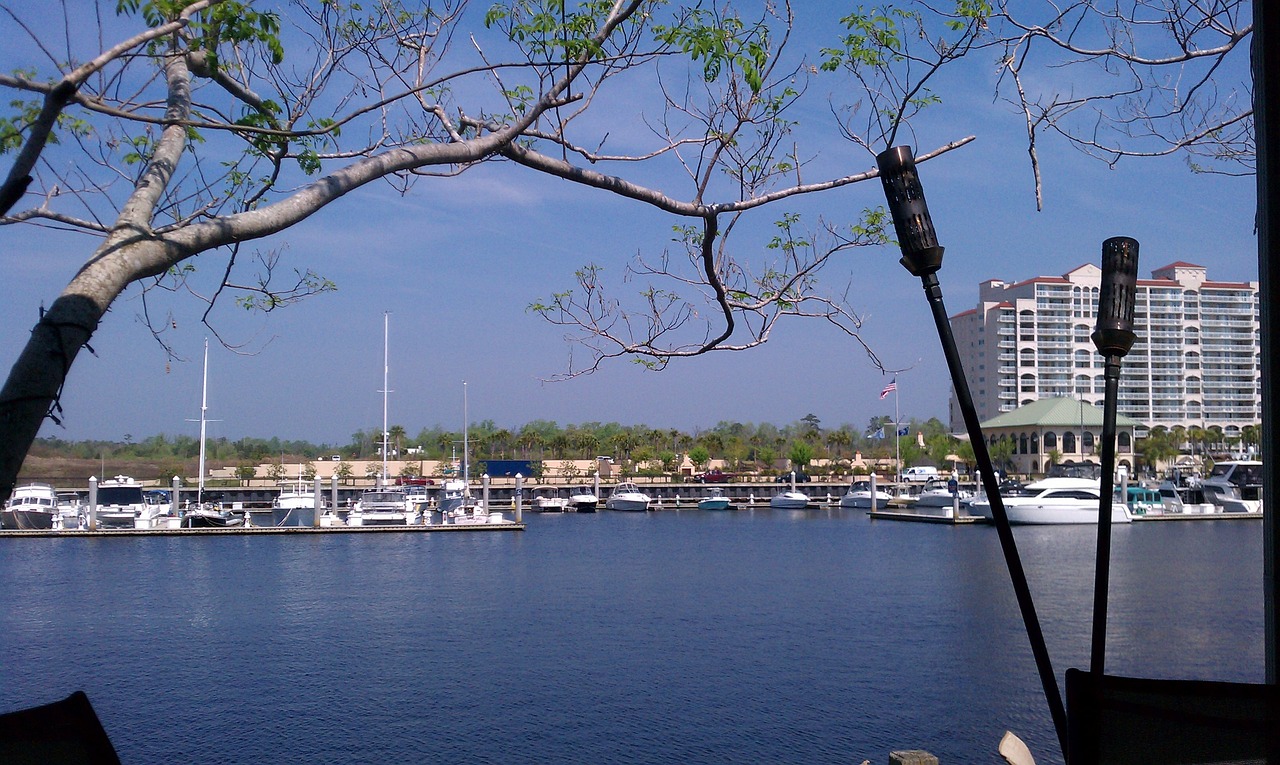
(1124, 442)
(1069, 442)
(1035, 443)
(1050, 441)
(1088, 441)
(1022, 444)
(1028, 383)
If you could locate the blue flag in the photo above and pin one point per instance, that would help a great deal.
(904, 431)
(878, 434)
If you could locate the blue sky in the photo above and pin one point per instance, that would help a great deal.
(457, 261)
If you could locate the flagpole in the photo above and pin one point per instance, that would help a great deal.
(897, 448)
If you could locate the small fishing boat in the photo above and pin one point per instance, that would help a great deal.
(715, 499)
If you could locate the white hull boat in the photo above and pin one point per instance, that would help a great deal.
(1055, 501)
(122, 505)
(716, 499)
(859, 497)
(584, 501)
(936, 495)
(453, 495)
(789, 500)
(71, 511)
(546, 500)
(627, 497)
(1235, 486)
(384, 507)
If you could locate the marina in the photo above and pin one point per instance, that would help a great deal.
(126, 505)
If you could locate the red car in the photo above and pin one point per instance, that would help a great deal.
(714, 476)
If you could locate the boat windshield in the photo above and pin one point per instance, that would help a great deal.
(1238, 473)
(1089, 470)
(120, 495)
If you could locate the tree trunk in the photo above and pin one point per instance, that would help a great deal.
(35, 383)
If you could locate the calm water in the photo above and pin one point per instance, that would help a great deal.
(674, 637)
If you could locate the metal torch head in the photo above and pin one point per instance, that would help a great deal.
(1114, 334)
(921, 254)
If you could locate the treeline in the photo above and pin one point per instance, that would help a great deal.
(741, 445)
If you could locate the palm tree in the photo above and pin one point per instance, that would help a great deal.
(502, 441)
(396, 433)
(837, 439)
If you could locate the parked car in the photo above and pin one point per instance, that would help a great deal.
(800, 478)
(714, 476)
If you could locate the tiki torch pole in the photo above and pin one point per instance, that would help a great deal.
(922, 256)
(1113, 337)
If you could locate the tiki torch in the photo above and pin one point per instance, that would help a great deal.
(922, 256)
(1113, 337)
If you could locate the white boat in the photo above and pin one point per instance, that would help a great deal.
(1054, 501)
(715, 499)
(859, 497)
(789, 500)
(1177, 498)
(583, 500)
(417, 496)
(1235, 486)
(627, 496)
(546, 499)
(208, 515)
(123, 505)
(71, 511)
(384, 507)
(453, 497)
(295, 505)
(30, 507)
(937, 494)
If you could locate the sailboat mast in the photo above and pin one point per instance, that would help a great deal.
(466, 463)
(204, 406)
(385, 391)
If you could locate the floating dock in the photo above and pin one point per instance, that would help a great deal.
(914, 517)
(241, 530)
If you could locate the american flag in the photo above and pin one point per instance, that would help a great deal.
(890, 388)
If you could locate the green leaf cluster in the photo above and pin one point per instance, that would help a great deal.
(548, 29)
(13, 127)
(231, 22)
(721, 42)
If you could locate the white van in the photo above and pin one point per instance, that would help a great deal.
(920, 474)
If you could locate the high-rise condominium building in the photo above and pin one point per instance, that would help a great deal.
(1196, 361)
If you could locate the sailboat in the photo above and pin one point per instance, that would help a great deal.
(385, 505)
(456, 502)
(455, 495)
(204, 514)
